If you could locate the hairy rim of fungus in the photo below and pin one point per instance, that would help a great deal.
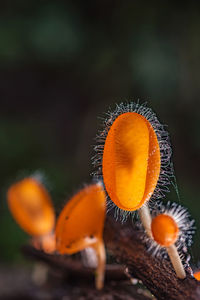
(31, 206)
(80, 224)
(133, 156)
(174, 220)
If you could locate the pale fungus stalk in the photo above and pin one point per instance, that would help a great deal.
(89, 257)
(40, 274)
(48, 242)
(145, 218)
(100, 271)
(176, 261)
(95, 257)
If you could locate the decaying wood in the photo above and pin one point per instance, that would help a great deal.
(70, 280)
(17, 284)
(73, 268)
(126, 243)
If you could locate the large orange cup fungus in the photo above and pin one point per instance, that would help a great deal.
(80, 225)
(132, 159)
(172, 230)
(31, 206)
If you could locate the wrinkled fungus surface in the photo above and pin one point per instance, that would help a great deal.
(131, 161)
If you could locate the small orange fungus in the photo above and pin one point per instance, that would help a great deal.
(164, 230)
(31, 206)
(197, 275)
(131, 161)
(172, 230)
(80, 225)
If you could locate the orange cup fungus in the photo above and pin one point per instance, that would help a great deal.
(197, 275)
(131, 161)
(172, 231)
(31, 206)
(80, 225)
(164, 230)
(133, 157)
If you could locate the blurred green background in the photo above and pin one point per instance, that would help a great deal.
(64, 63)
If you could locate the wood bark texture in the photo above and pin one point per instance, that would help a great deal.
(127, 245)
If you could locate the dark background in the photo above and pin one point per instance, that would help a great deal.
(64, 63)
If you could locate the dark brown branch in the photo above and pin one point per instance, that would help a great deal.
(126, 244)
(73, 268)
(17, 284)
(77, 282)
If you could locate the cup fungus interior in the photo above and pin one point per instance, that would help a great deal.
(80, 224)
(31, 206)
(131, 161)
(164, 230)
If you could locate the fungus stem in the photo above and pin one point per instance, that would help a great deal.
(101, 256)
(145, 218)
(89, 257)
(176, 261)
(39, 274)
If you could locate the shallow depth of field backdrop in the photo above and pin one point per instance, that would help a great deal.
(63, 63)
